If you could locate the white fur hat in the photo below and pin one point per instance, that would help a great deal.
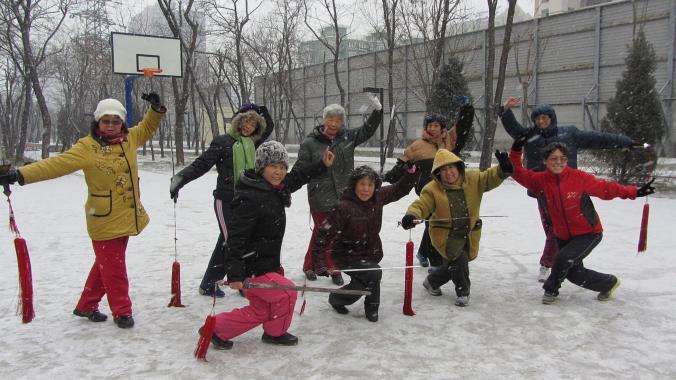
(110, 107)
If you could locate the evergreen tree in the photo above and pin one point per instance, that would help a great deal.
(451, 83)
(635, 111)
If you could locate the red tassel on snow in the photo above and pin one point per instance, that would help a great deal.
(175, 286)
(206, 333)
(25, 280)
(643, 236)
(408, 280)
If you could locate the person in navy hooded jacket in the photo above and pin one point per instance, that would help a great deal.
(543, 132)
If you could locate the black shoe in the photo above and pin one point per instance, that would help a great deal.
(337, 279)
(371, 310)
(219, 344)
(124, 322)
(340, 309)
(210, 292)
(424, 261)
(94, 316)
(310, 275)
(282, 340)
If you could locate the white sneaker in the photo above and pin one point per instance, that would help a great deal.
(544, 274)
(462, 301)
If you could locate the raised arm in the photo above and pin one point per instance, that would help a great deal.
(601, 140)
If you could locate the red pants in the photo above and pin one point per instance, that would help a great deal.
(108, 276)
(271, 307)
(551, 248)
(317, 218)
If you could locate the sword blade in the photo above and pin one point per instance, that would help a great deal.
(306, 288)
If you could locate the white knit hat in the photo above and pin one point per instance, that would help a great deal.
(271, 152)
(110, 107)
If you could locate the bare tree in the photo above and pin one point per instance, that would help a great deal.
(428, 21)
(330, 35)
(36, 20)
(489, 100)
(526, 64)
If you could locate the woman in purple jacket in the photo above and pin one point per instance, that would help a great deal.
(351, 232)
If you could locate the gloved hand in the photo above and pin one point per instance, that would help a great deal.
(646, 189)
(263, 111)
(375, 102)
(408, 221)
(410, 167)
(177, 183)
(9, 177)
(153, 99)
(505, 163)
(520, 141)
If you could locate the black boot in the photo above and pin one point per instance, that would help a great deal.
(219, 344)
(371, 310)
(340, 309)
(283, 340)
(337, 279)
(94, 316)
(124, 321)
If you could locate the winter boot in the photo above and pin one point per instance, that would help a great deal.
(210, 292)
(340, 309)
(283, 340)
(548, 298)
(544, 274)
(219, 344)
(310, 275)
(605, 296)
(94, 316)
(462, 301)
(124, 321)
(432, 291)
(337, 279)
(371, 311)
(424, 262)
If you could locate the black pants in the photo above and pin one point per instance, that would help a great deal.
(569, 265)
(216, 268)
(426, 249)
(456, 271)
(364, 280)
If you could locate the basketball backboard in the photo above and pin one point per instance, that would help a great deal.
(134, 52)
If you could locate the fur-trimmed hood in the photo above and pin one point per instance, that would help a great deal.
(234, 128)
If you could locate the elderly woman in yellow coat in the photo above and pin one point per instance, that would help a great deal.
(107, 156)
(453, 199)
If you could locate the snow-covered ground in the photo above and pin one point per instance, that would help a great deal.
(506, 332)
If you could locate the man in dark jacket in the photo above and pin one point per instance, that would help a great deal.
(324, 190)
(544, 132)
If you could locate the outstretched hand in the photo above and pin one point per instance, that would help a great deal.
(646, 189)
(375, 102)
(505, 163)
(512, 102)
(153, 98)
(408, 221)
(520, 141)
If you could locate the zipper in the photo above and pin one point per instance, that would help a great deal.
(563, 210)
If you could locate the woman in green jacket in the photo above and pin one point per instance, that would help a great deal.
(113, 210)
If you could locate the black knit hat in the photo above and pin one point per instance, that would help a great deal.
(271, 152)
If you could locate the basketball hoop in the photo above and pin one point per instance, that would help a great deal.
(151, 71)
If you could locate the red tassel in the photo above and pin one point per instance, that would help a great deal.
(643, 236)
(207, 332)
(408, 280)
(25, 280)
(175, 286)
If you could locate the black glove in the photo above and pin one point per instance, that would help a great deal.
(646, 189)
(505, 163)
(177, 183)
(153, 99)
(408, 221)
(9, 177)
(520, 141)
(397, 171)
(263, 111)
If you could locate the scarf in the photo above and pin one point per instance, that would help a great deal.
(243, 155)
(114, 138)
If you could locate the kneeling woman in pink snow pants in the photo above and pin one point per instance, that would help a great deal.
(255, 242)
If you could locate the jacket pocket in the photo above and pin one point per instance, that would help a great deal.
(99, 203)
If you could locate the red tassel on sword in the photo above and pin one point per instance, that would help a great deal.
(175, 285)
(206, 333)
(643, 236)
(408, 279)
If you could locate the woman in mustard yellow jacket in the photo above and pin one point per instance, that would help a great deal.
(453, 199)
(107, 156)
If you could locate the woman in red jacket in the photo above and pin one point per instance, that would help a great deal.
(566, 193)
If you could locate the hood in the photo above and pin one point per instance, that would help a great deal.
(357, 174)
(234, 128)
(545, 109)
(444, 157)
